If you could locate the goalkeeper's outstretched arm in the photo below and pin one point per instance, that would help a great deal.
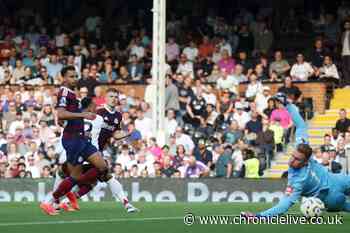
(284, 204)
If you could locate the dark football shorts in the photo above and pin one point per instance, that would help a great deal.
(78, 150)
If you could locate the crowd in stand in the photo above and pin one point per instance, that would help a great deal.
(202, 94)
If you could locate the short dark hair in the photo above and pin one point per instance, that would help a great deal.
(65, 70)
(112, 90)
(85, 102)
(305, 149)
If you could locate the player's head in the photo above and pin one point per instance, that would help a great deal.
(88, 105)
(300, 157)
(69, 76)
(112, 97)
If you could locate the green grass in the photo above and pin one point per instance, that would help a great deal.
(109, 217)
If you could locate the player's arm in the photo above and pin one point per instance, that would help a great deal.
(293, 194)
(64, 114)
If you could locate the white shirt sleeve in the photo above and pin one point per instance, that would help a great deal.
(96, 126)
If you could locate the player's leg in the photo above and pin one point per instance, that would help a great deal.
(51, 204)
(69, 182)
(117, 190)
(101, 167)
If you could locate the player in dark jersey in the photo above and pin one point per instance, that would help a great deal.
(103, 131)
(111, 118)
(78, 148)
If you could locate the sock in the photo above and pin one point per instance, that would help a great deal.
(117, 190)
(65, 186)
(83, 189)
(89, 176)
(58, 180)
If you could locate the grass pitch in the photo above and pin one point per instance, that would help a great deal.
(110, 217)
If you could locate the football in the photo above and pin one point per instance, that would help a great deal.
(311, 207)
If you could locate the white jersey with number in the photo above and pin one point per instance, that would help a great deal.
(93, 128)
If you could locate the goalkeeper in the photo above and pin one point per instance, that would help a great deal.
(307, 178)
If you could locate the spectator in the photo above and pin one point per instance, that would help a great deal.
(184, 139)
(170, 122)
(196, 169)
(185, 67)
(329, 162)
(108, 75)
(171, 95)
(223, 165)
(217, 54)
(168, 170)
(206, 65)
(317, 54)
(301, 71)
(118, 171)
(206, 48)
(254, 87)
(231, 133)
(270, 107)
(185, 94)
(227, 62)
(136, 48)
(87, 81)
(16, 124)
(46, 172)
(261, 99)
(281, 114)
(343, 122)
(329, 70)
(124, 157)
(280, 66)
(124, 76)
(241, 116)
(79, 58)
(238, 74)
(9, 116)
(99, 99)
(47, 115)
(265, 141)
(278, 133)
(253, 127)
(191, 51)
(45, 77)
(143, 124)
(327, 145)
(246, 63)
(224, 45)
(209, 95)
(135, 135)
(345, 53)
(202, 154)
(227, 82)
(54, 68)
(135, 69)
(196, 110)
(172, 50)
(18, 72)
(251, 164)
(260, 73)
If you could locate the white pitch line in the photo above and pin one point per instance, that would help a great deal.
(87, 221)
